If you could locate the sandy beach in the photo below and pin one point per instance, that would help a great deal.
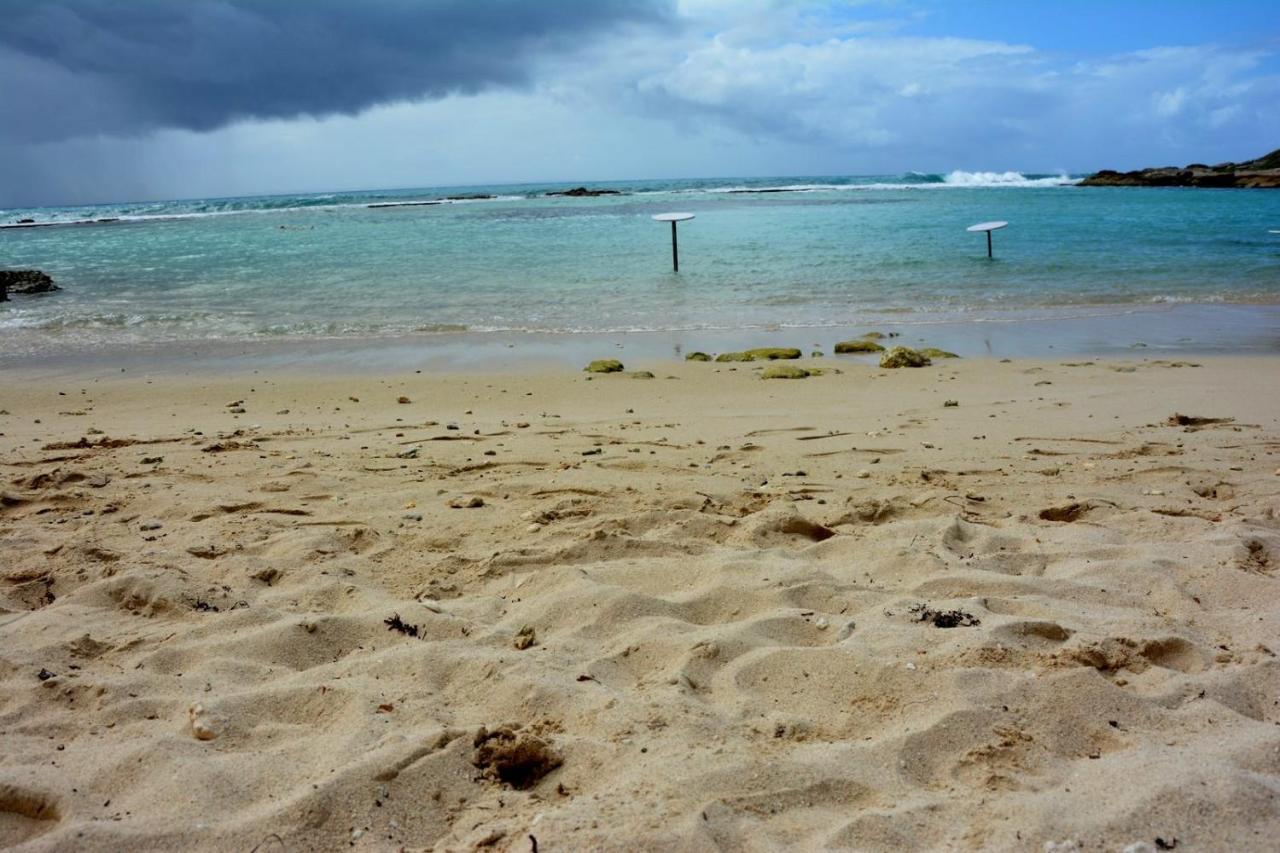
(980, 605)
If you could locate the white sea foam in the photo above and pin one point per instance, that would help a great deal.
(1003, 179)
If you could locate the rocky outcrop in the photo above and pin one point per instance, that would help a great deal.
(583, 192)
(26, 282)
(1262, 173)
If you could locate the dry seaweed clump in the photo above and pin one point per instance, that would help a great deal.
(784, 371)
(514, 756)
(904, 357)
(604, 365)
(845, 347)
(760, 354)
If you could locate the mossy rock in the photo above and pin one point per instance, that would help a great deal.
(816, 354)
(640, 374)
(697, 356)
(903, 357)
(760, 354)
(784, 371)
(845, 347)
(771, 353)
(934, 352)
(604, 365)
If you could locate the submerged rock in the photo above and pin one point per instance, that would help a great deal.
(934, 352)
(697, 356)
(844, 347)
(583, 192)
(26, 282)
(903, 357)
(784, 371)
(604, 365)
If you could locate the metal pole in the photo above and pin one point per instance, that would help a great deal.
(675, 251)
(988, 244)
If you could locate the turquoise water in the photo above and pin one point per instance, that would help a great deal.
(824, 253)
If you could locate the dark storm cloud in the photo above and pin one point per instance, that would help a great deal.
(80, 67)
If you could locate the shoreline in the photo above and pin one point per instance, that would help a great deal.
(1137, 331)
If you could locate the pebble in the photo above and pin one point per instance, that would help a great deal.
(412, 516)
(411, 453)
(863, 474)
(473, 502)
(950, 404)
(403, 400)
(846, 630)
(821, 623)
(201, 725)
(150, 525)
(533, 528)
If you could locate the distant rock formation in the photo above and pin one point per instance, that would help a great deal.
(1262, 173)
(24, 281)
(583, 192)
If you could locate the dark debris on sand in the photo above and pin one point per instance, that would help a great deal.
(395, 623)
(945, 618)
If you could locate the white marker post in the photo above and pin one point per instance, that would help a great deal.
(987, 227)
(673, 218)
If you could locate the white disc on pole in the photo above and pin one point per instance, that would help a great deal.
(672, 217)
(987, 226)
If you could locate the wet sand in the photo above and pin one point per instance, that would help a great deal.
(276, 611)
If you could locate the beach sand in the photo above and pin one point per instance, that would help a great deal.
(557, 611)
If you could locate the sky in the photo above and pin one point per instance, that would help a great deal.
(115, 100)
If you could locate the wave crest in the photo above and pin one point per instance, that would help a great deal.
(1005, 179)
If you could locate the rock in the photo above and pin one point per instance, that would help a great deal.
(403, 400)
(513, 756)
(771, 353)
(583, 192)
(1262, 173)
(411, 453)
(526, 638)
(202, 725)
(640, 374)
(26, 282)
(934, 352)
(466, 502)
(697, 356)
(784, 371)
(604, 365)
(903, 357)
(150, 525)
(874, 336)
(950, 404)
(268, 575)
(760, 354)
(858, 346)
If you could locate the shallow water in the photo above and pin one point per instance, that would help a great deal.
(826, 253)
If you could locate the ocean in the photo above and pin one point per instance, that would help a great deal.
(762, 254)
